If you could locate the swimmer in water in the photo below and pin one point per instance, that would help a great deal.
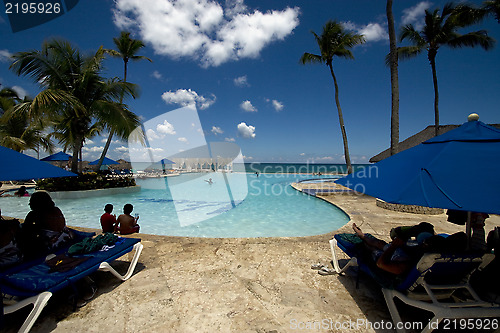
(209, 181)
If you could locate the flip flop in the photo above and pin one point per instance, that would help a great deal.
(317, 266)
(326, 271)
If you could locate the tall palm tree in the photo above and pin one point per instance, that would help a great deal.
(127, 49)
(441, 30)
(393, 63)
(334, 41)
(74, 93)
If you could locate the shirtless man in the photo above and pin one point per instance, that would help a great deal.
(128, 223)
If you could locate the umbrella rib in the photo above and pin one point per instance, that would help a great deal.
(437, 186)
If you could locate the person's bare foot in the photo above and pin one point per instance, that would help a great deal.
(357, 230)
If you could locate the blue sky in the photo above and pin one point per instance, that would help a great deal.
(240, 64)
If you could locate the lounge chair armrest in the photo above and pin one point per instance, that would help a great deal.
(352, 262)
(39, 301)
(106, 267)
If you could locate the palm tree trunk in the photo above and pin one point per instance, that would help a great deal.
(432, 60)
(105, 150)
(111, 132)
(341, 122)
(77, 146)
(394, 80)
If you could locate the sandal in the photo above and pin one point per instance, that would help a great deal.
(326, 271)
(317, 266)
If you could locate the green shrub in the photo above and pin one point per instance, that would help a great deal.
(88, 181)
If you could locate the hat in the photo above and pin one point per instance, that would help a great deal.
(423, 236)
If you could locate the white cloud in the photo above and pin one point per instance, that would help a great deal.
(247, 106)
(241, 81)
(415, 15)
(217, 130)
(229, 140)
(235, 7)
(161, 130)
(117, 141)
(151, 134)
(157, 75)
(166, 128)
(5, 56)
(324, 158)
(95, 149)
(20, 91)
(182, 139)
(203, 29)
(187, 97)
(373, 32)
(122, 149)
(246, 131)
(278, 106)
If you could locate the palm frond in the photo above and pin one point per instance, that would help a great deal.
(472, 39)
(408, 52)
(309, 58)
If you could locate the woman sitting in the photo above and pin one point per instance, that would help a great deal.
(44, 227)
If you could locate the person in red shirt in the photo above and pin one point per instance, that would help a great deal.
(108, 221)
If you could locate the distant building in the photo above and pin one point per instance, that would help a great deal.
(418, 138)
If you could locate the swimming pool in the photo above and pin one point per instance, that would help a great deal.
(267, 206)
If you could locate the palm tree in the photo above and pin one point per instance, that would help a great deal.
(16, 131)
(334, 41)
(74, 94)
(126, 49)
(393, 63)
(441, 30)
(8, 98)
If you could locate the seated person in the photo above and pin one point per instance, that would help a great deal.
(44, 228)
(407, 232)
(393, 257)
(108, 221)
(128, 223)
(9, 251)
(478, 242)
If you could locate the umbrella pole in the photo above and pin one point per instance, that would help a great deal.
(468, 229)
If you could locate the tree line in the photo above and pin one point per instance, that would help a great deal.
(441, 29)
(76, 102)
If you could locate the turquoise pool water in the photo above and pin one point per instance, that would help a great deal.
(234, 205)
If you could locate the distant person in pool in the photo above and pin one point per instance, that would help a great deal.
(108, 221)
(209, 181)
(128, 223)
(21, 192)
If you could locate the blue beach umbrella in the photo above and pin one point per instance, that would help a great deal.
(60, 156)
(105, 161)
(457, 170)
(17, 166)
